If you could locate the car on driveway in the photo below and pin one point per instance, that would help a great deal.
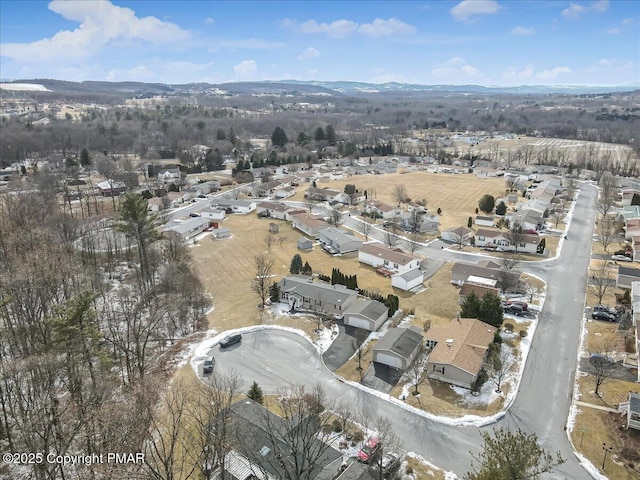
(207, 366)
(604, 308)
(609, 317)
(621, 258)
(230, 340)
(523, 304)
(369, 450)
(390, 464)
(516, 310)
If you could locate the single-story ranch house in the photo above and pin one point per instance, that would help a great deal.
(398, 347)
(500, 241)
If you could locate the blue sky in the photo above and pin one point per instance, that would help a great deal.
(486, 42)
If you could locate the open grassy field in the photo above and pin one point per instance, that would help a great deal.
(456, 195)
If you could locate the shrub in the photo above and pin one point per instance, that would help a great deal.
(358, 436)
(486, 203)
(497, 338)
(523, 333)
(508, 327)
(336, 426)
(483, 376)
(439, 211)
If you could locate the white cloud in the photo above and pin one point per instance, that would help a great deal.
(518, 73)
(337, 29)
(344, 28)
(553, 73)
(246, 70)
(575, 10)
(523, 31)
(613, 31)
(101, 23)
(248, 44)
(309, 53)
(385, 28)
(209, 21)
(468, 8)
(454, 70)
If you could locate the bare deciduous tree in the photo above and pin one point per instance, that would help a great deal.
(500, 366)
(365, 226)
(399, 193)
(262, 281)
(516, 235)
(600, 365)
(607, 230)
(602, 279)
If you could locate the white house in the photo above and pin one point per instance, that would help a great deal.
(187, 229)
(338, 239)
(308, 224)
(631, 408)
(378, 255)
(501, 241)
(484, 221)
(383, 209)
(408, 280)
(236, 206)
(169, 176)
(272, 210)
(457, 235)
(215, 214)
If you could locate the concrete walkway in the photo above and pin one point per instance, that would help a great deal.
(597, 407)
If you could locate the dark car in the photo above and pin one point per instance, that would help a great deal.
(207, 366)
(516, 310)
(230, 340)
(604, 308)
(390, 464)
(603, 316)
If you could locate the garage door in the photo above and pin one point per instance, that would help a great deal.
(358, 322)
(388, 359)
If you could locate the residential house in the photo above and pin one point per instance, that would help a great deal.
(458, 235)
(366, 314)
(187, 229)
(321, 194)
(392, 260)
(302, 293)
(458, 351)
(170, 176)
(382, 209)
(627, 195)
(260, 451)
(309, 224)
(273, 210)
(528, 219)
(428, 223)
(399, 347)
(484, 221)
(480, 290)
(414, 207)
(213, 214)
(505, 280)
(635, 303)
(111, 188)
(218, 233)
(627, 275)
(339, 240)
(235, 206)
(631, 409)
(284, 192)
(501, 241)
(350, 199)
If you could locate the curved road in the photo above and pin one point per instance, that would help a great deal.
(277, 358)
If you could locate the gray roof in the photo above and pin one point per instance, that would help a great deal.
(230, 203)
(630, 272)
(371, 309)
(187, 226)
(304, 241)
(338, 236)
(411, 274)
(306, 287)
(402, 341)
(634, 402)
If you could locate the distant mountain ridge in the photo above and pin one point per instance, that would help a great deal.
(300, 87)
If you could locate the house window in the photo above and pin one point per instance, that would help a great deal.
(438, 369)
(395, 265)
(386, 262)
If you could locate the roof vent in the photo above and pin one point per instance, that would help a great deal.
(449, 342)
(264, 451)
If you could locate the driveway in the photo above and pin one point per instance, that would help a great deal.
(381, 377)
(343, 347)
(617, 371)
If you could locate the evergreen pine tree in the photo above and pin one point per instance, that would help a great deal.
(255, 393)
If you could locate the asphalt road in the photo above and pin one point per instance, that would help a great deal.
(277, 358)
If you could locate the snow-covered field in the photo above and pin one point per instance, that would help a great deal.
(24, 87)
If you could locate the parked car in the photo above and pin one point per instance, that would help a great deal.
(193, 214)
(604, 308)
(207, 366)
(230, 340)
(523, 304)
(621, 258)
(516, 310)
(390, 464)
(601, 359)
(369, 450)
(609, 317)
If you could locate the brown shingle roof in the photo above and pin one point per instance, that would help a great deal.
(479, 290)
(386, 253)
(469, 340)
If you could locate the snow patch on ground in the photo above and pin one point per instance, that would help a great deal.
(424, 461)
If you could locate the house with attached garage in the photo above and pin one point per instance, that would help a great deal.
(339, 240)
(479, 286)
(528, 219)
(366, 314)
(302, 293)
(308, 224)
(399, 347)
(321, 194)
(458, 351)
(458, 235)
(426, 222)
(505, 280)
(501, 242)
(188, 228)
(274, 210)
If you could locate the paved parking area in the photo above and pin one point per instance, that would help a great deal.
(381, 377)
(343, 347)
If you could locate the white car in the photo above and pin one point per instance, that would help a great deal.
(621, 258)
